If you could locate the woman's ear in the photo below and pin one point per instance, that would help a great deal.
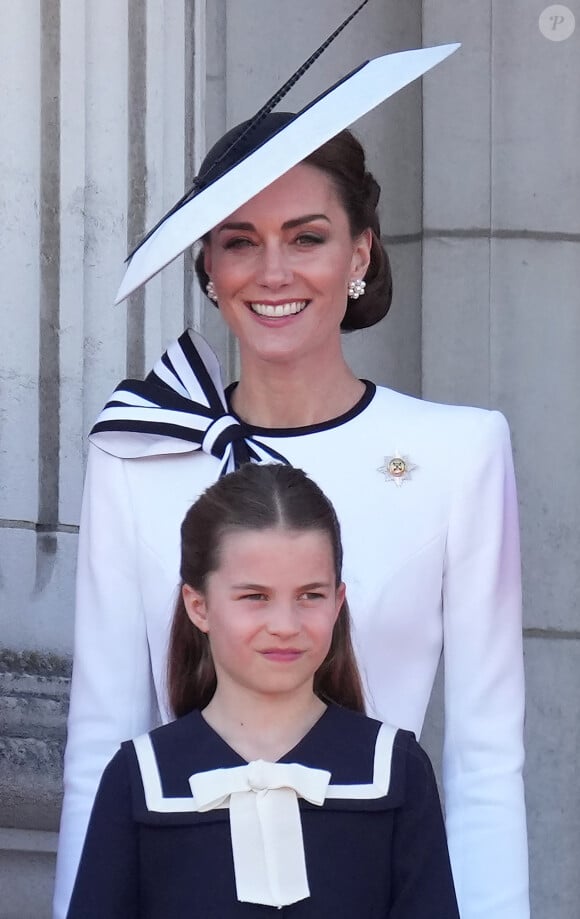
(195, 607)
(361, 256)
(206, 250)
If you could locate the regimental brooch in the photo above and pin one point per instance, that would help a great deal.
(397, 468)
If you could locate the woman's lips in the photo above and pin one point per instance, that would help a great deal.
(278, 310)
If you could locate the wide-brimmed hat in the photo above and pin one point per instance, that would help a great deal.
(254, 154)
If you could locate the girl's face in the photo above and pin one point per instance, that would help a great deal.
(281, 264)
(269, 609)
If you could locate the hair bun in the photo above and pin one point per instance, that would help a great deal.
(372, 190)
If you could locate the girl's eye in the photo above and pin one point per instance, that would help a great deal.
(256, 597)
(311, 595)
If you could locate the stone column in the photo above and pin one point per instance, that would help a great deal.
(501, 328)
(98, 140)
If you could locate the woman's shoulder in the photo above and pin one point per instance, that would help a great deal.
(422, 419)
(415, 406)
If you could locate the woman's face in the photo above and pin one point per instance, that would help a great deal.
(281, 264)
(269, 610)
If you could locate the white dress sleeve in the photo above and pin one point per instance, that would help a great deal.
(112, 697)
(484, 685)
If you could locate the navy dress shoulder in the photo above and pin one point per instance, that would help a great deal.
(375, 848)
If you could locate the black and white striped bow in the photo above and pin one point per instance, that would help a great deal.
(180, 406)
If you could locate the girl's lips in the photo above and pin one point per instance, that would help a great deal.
(282, 655)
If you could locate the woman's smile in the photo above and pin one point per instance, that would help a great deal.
(278, 310)
(281, 265)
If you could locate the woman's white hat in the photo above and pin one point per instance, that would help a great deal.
(267, 146)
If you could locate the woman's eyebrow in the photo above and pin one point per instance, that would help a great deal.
(287, 225)
(297, 221)
(236, 225)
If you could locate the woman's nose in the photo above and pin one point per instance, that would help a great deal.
(274, 269)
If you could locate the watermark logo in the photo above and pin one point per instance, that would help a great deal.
(557, 22)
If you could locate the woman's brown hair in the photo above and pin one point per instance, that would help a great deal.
(255, 497)
(343, 160)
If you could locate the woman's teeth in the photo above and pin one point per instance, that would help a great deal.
(281, 309)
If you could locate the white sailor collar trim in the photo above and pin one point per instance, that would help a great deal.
(264, 815)
(157, 802)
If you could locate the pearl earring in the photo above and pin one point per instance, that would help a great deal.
(210, 291)
(356, 288)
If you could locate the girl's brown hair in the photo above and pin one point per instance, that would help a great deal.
(256, 497)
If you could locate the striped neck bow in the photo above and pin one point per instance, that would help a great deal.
(179, 407)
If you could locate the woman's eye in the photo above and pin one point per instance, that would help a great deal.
(238, 242)
(311, 595)
(254, 597)
(309, 239)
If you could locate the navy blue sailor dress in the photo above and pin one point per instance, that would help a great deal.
(373, 848)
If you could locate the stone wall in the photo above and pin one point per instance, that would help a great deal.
(501, 327)
(33, 703)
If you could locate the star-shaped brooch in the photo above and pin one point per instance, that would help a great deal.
(397, 468)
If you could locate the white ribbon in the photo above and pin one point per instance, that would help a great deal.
(265, 826)
(180, 407)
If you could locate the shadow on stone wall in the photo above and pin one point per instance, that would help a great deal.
(34, 689)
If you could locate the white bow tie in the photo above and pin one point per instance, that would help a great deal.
(265, 826)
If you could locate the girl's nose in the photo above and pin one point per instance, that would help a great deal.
(273, 270)
(283, 620)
